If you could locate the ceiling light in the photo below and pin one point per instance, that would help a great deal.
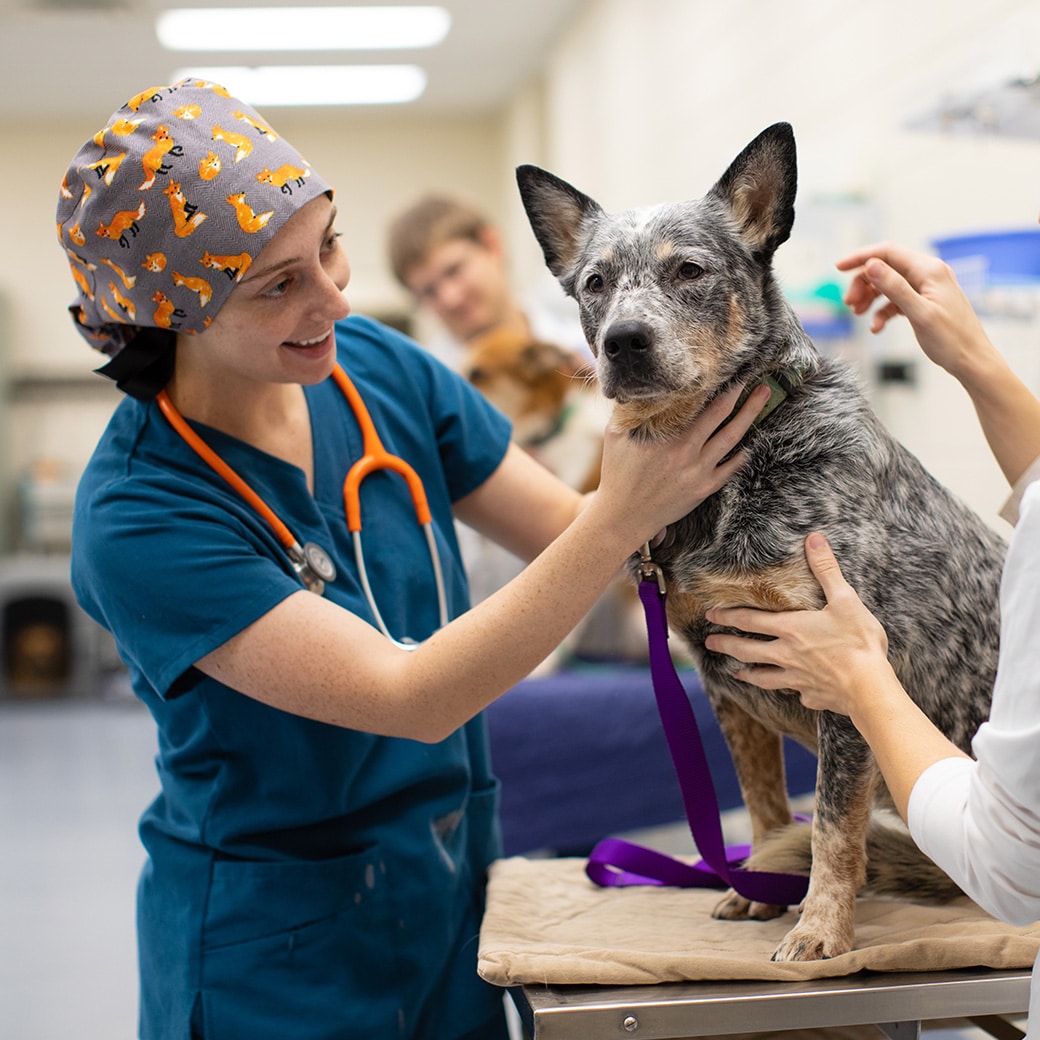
(301, 28)
(268, 85)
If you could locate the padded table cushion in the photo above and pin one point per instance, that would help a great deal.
(547, 923)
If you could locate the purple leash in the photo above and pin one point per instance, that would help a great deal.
(614, 862)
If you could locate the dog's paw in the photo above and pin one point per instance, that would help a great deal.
(809, 944)
(734, 907)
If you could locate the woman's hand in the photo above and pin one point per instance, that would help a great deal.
(647, 485)
(924, 289)
(830, 656)
(837, 659)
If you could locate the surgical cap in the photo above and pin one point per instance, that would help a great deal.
(164, 210)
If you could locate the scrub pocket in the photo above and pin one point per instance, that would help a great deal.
(301, 949)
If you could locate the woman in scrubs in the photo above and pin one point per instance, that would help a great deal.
(316, 856)
(979, 819)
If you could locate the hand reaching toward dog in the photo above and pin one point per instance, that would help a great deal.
(837, 659)
(831, 656)
(925, 290)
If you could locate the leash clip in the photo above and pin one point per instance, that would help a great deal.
(650, 571)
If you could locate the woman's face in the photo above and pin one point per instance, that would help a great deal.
(277, 324)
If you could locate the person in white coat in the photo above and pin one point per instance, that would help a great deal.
(978, 818)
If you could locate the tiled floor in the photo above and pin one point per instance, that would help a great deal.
(74, 777)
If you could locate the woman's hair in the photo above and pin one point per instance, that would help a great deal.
(163, 211)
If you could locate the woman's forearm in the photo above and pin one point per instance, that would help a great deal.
(903, 739)
(1008, 411)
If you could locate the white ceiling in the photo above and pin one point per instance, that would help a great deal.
(84, 58)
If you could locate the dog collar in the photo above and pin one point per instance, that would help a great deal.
(557, 427)
(782, 383)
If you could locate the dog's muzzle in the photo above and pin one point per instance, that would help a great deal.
(628, 343)
(628, 350)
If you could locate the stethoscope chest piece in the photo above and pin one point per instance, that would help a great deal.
(320, 561)
(313, 564)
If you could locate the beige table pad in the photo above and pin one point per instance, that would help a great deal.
(547, 923)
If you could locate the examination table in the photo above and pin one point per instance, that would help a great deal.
(581, 755)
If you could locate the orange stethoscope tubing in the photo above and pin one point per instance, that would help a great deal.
(374, 457)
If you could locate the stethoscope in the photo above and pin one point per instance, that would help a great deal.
(313, 565)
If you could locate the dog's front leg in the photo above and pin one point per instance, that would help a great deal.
(758, 757)
(846, 784)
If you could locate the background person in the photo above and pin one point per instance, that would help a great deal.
(317, 853)
(453, 261)
(979, 819)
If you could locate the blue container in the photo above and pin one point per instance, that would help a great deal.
(993, 258)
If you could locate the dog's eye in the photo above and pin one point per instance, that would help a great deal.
(689, 271)
(594, 283)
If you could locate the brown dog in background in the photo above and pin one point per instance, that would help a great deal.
(550, 394)
(558, 415)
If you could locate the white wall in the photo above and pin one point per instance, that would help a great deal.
(640, 101)
(648, 100)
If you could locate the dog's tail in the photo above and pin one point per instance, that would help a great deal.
(895, 865)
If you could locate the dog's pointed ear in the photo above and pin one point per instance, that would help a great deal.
(557, 212)
(759, 189)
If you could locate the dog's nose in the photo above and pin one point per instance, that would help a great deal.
(627, 340)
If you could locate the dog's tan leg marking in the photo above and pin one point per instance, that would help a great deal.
(756, 749)
(839, 869)
(788, 586)
(759, 761)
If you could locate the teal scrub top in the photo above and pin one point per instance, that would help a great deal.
(302, 880)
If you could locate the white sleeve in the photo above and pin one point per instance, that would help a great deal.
(980, 821)
(1010, 510)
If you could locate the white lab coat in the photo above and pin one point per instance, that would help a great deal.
(980, 821)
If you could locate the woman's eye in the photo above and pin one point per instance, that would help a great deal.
(278, 289)
(594, 283)
(689, 271)
(332, 241)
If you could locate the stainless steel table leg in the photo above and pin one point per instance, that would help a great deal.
(998, 1027)
(901, 1030)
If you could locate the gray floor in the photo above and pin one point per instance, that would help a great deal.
(74, 777)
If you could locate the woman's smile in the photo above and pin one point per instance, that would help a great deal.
(315, 348)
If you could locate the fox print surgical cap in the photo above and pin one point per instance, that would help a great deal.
(164, 210)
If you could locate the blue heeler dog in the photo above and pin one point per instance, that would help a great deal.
(679, 302)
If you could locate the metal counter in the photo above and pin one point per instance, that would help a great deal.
(897, 1003)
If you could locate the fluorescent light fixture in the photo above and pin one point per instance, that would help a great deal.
(301, 28)
(267, 85)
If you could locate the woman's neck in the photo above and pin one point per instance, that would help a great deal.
(272, 417)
